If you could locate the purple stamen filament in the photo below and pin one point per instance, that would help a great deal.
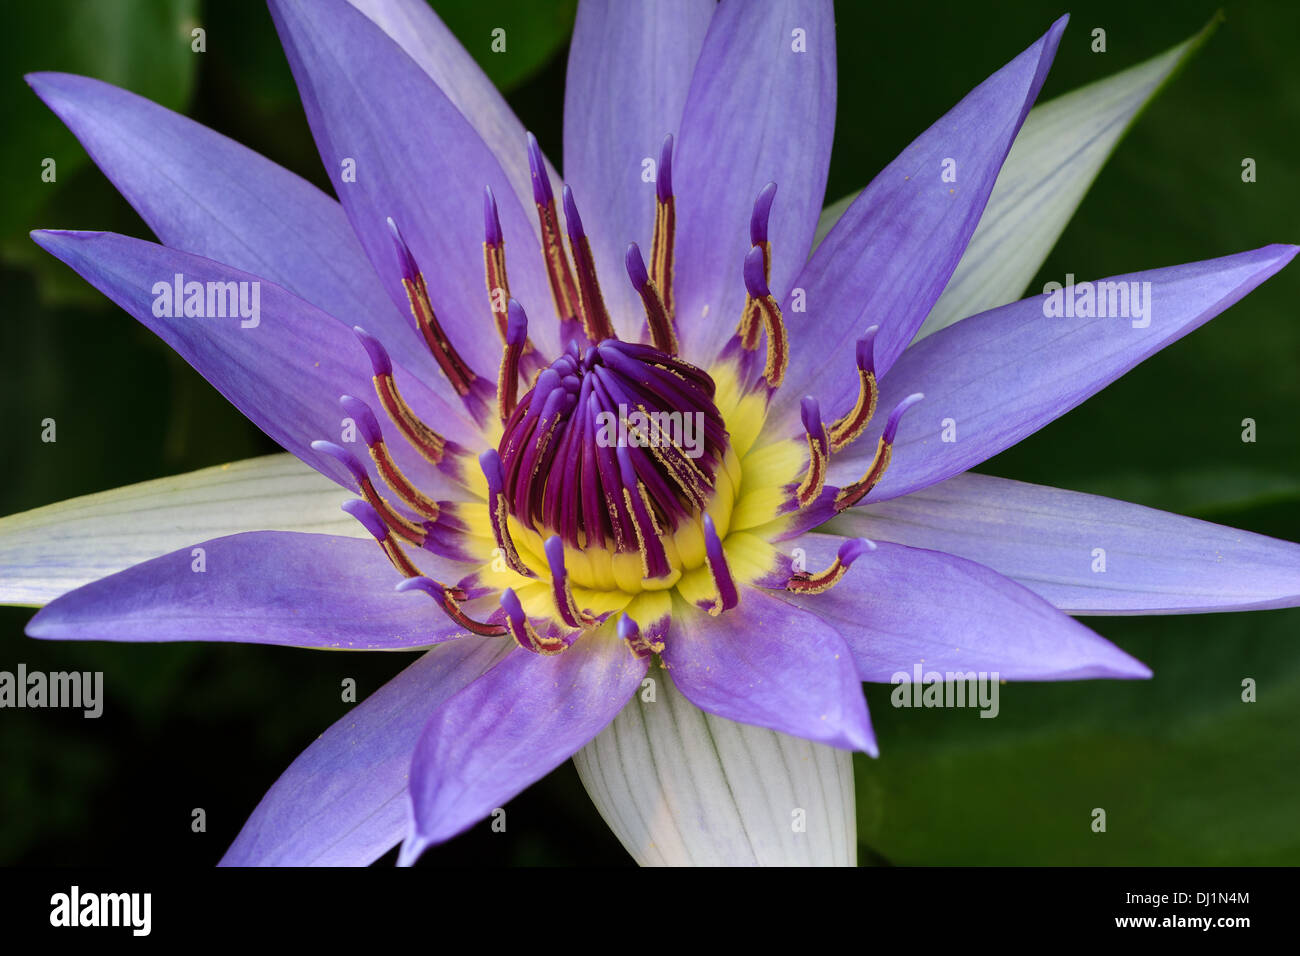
(715, 557)
(661, 246)
(613, 448)
(616, 444)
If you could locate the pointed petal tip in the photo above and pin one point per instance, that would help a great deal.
(48, 624)
(48, 239)
(38, 81)
(857, 735)
(48, 84)
(1053, 35)
(863, 733)
(1273, 257)
(1102, 661)
(1051, 43)
(1115, 664)
(1128, 667)
(37, 626)
(1284, 251)
(411, 850)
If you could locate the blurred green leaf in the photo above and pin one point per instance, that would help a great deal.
(142, 45)
(1187, 772)
(534, 32)
(81, 199)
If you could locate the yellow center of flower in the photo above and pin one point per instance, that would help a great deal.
(750, 488)
(578, 522)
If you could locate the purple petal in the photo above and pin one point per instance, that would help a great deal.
(344, 802)
(889, 257)
(758, 111)
(285, 373)
(630, 65)
(1046, 539)
(204, 193)
(510, 728)
(899, 607)
(1002, 375)
(415, 27)
(774, 665)
(417, 160)
(259, 587)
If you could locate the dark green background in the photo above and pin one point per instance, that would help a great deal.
(1187, 773)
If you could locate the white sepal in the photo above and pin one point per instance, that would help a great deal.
(1060, 150)
(49, 551)
(680, 787)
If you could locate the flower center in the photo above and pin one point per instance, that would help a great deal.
(626, 481)
(613, 447)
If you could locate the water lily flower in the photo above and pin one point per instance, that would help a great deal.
(643, 473)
